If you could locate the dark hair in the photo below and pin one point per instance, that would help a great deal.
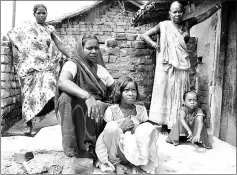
(185, 94)
(37, 6)
(120, 86)
(87, 37)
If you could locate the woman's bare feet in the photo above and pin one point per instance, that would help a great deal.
(138, 170)
(121, 169)
(28, 128)
(107, 167)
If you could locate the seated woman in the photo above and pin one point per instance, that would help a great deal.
(127, 138)
(36, 61)
(84, 85)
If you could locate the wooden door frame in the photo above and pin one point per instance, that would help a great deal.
(218, 77)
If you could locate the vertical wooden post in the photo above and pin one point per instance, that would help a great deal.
(217, 89)
(13, 13)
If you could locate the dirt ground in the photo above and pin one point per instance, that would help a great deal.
(49, 158)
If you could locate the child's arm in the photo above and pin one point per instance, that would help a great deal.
(185, 125)
(196, 138)
(134, 128)
(143, 117)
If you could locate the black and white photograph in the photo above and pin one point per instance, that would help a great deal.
(118, 87)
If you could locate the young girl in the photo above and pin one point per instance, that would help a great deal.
(127, 137)
(190, 124)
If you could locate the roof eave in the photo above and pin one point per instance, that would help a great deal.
(60, 19)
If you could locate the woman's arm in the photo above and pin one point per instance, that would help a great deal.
(67, 85)
(147, 36)
(60, 46)
(206, 15)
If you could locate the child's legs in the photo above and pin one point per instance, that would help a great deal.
(111, 139)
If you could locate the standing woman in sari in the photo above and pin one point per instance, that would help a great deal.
(36, 60)
(172, 65)
(84, 85)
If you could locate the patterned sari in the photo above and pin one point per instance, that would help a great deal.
(79, 132)
(171, 76)
(35, 59)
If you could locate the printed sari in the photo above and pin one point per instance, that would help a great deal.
(171, 76)
(35, 59)
(79, 132)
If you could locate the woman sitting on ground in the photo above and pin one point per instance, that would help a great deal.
(84, 85)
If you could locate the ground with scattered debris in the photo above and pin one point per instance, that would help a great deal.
(49, 158)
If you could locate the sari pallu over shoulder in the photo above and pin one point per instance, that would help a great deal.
(85, 78)
(79, 132)
(173, 49)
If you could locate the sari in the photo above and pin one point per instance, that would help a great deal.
(171, 76)
(79, 132)
(35, 59)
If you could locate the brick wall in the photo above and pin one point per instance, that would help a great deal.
(126, 54)
(104, 21)
(10, 88)
(123, 52)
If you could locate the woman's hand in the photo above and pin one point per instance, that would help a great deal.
(155, 46)
(93, 109)
(127, 125)
(102, 106)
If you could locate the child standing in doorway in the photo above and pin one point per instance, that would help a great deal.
(190, 125)
(127, 137)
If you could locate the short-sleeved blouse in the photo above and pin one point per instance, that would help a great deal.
(102, 73)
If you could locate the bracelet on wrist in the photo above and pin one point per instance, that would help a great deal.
(218, 6)
(87, 97)
(154, 45)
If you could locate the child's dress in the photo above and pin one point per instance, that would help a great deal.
(140, 148)
(192, 121)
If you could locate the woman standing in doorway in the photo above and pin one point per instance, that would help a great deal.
(171, 74)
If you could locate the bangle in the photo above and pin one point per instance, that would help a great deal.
(218, 6)
(87, 97)
(155, 46)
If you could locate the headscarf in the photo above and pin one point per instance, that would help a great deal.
(78, 52)
(86, 78)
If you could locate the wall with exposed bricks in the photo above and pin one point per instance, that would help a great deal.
(10, 88)
(123, 51)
